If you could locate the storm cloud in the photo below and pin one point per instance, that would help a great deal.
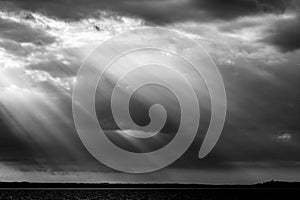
(285, 35)
(254, 43)
(156, 11)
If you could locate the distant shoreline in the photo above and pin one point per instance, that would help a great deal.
(36, 185)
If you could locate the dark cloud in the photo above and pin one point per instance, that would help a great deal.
(156, 11)
(230, 9)
(259, 109)
(15, 48)
(285, 35)
(22, 33)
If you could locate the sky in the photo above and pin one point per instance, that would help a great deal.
(254, 43)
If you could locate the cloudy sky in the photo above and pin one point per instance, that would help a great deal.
(255, 44)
